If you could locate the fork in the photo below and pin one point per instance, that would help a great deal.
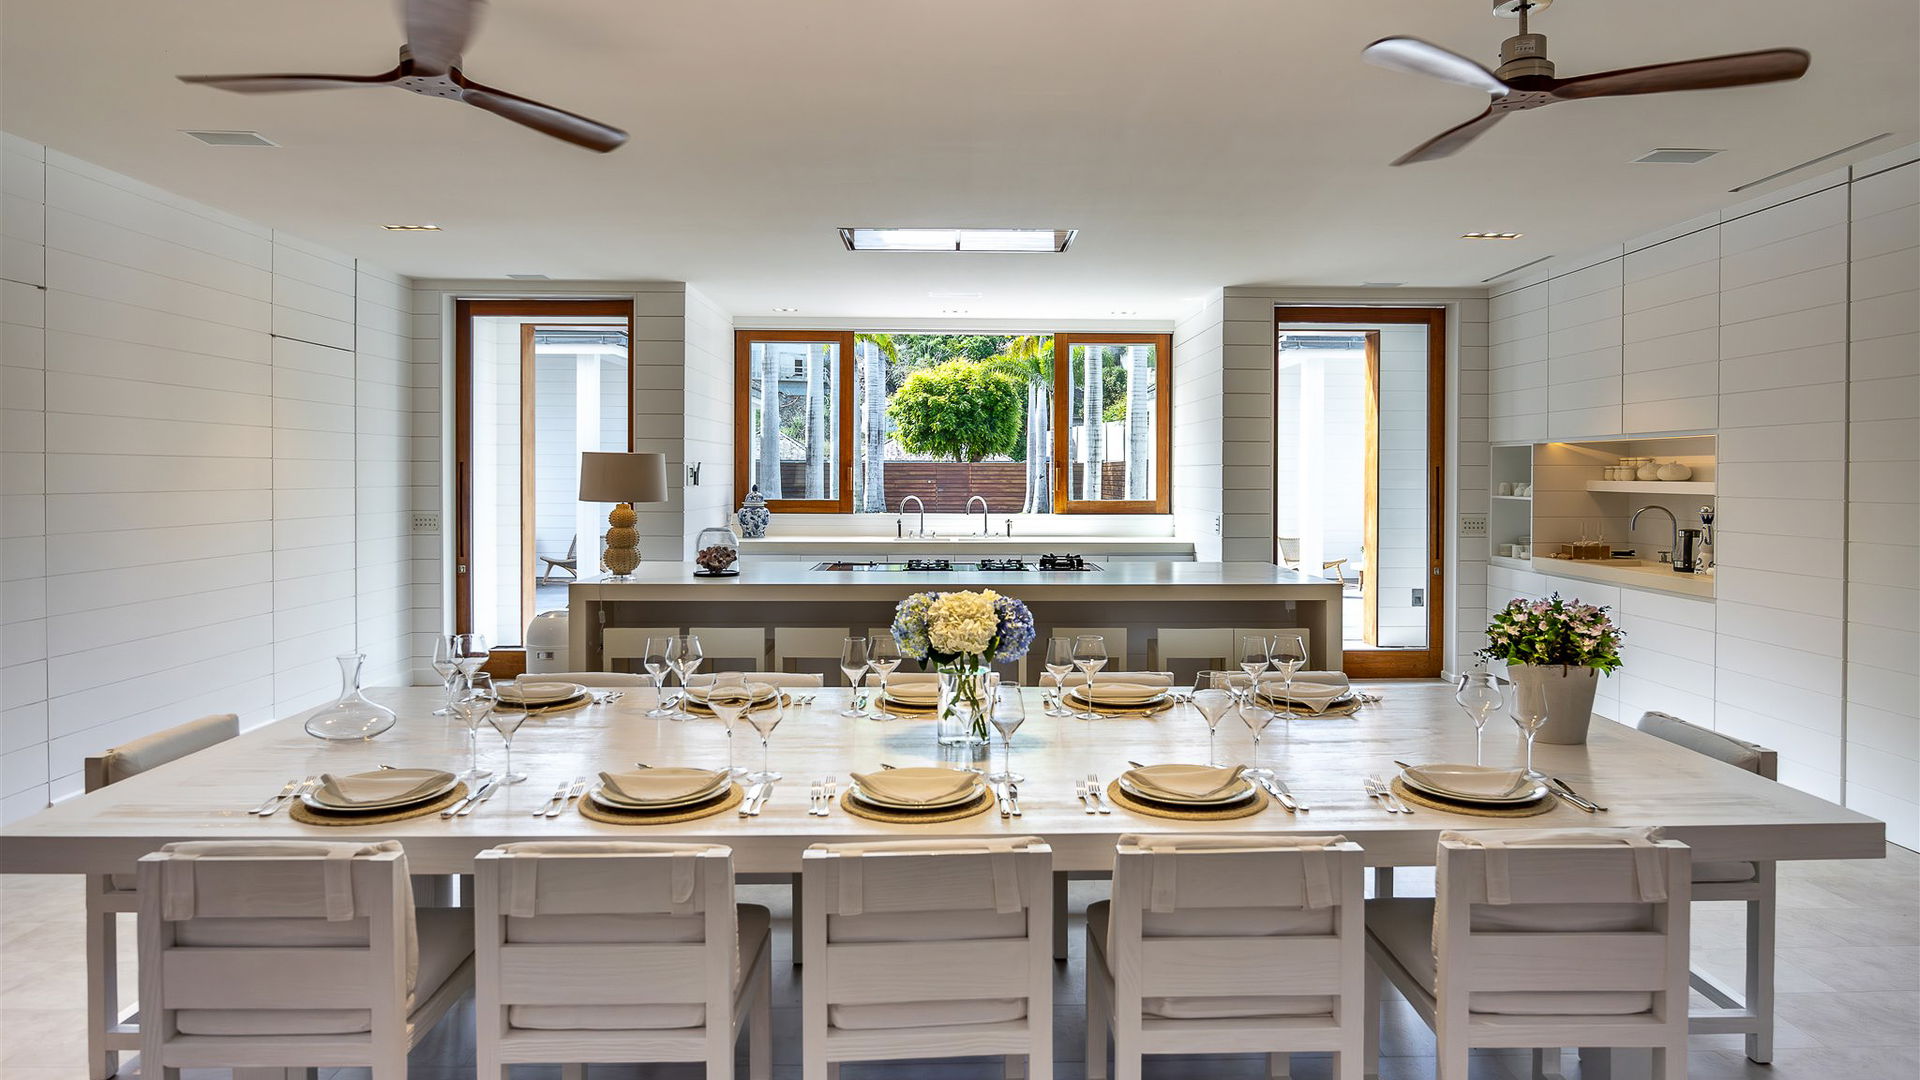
(559, 795)
(306, 787)
(1013, 797)
(1378, 790)
(816, 791)
(573, 793)
(286, 792)
(1393, 800)
(832, 794)
(1080, 792)
(1099, 793)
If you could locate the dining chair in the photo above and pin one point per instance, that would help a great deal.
(1229, 945)
(598, 680)
(111, 1028)
(816, 645)
(291, 954)
(789, 679)
(927, 948)
(732, 648)
(1753, 884)
(1541, 938)
(1203, 649)
(618, 951)
(628, 643)
(570, 563)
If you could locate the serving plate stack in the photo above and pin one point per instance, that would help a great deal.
(1118, 697)
(1475, 786)
(1188, 787)
(378, 793)
(661, 790)
(540, 696)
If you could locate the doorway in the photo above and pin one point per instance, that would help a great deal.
(536, 383)
(1359, 408)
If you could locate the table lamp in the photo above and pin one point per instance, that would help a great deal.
(624, 479)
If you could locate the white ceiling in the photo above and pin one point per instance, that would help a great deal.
(1193, 144)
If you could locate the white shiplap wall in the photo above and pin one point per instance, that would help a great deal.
(1199, 475)
(180, 511)
(707, 380)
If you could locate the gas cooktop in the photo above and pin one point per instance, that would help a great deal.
(1075, 563)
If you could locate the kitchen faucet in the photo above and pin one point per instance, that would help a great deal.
(1673, 542)
(985, 528)
(923, 512)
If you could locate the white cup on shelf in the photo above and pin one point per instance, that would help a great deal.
(1506, 488)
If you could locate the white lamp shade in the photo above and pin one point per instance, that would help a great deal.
(618, 478)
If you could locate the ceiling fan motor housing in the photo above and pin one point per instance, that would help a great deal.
(1522, 55)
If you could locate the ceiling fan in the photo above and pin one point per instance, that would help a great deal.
(1525, 79)
(437, 33)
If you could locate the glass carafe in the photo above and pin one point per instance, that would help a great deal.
(353, 716)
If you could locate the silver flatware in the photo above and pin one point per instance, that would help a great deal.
(833, 795)
(747, 805)
(1080, 792)
(814, 792)
(467, 806)
(574, 791)
(1286, 801)
(1099, 795)
(559, 795)
(306, 788)
(286, 792)
(1281, 786)
(1013, 797)
(1379, 790)
(1000, 799)
(1565, 790)
(766, 792)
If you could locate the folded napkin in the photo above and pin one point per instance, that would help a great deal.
(697, 693)
(1118, 693)
(1185, 783)
(914, 693)
(1314, 691)
(908, 678)
(1161, 679)
(382, 786)
(660, 785)
(540, 693)
(917, 785)
(1472, 781)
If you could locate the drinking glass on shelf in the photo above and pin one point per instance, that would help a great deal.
(653, 657)
(507, 721)
(1213, 696)
(1089, 655)
(729, 699)
(1059, 662)
(883, 656)
(683, 656)
(475, 703)
(1006, 712)
(445, 666)
(1527, 704)
(766, 709)
(1479, 694)
(1289, 655)
(854, 663)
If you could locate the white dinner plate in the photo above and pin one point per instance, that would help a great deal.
(1246, 791)
(540, 693)
(1530, 795)
(927, 694)
(1119, 695)
(415, 799)
(599, 794)
(1281, 699)
(698, 694)
(884, 803)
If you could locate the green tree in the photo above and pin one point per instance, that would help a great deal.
(961, 410)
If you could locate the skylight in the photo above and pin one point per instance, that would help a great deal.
(1000, 241)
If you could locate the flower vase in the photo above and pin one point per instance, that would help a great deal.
(1569, 691)
(965, 693)
(353, 716)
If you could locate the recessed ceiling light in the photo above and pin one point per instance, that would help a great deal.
(1123, 313)
(1001, 241)
(1490, 236)
(232, 138)
(1675, 155)
(786, 310)
(529, 277)
(411, 228)
(953, 311)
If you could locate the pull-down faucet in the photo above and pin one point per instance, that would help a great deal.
(1673, 541)
(985, 528)
(923, 512)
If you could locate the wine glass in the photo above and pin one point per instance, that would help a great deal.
(1527, 704)
(1059, 662)
(1213, 696)
(507, 721)
(1089, 655)
(1479, 694)
(854, 662)
(1006, 712)
(1289, 655)
(653, 658)
(729, 699)
(1255, 653)
(470, 652)
(475, 703)
(683, 657)
(765, 715)
(883, 655)
(445, 667)
(1256, 717)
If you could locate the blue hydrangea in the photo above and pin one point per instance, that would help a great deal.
(1016, 629)
(910, 625)
(1012, 637)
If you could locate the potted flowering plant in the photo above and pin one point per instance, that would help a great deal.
(1560, 647)
(960, 634)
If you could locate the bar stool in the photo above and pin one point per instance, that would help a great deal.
(629, 643)
(1212, 648)
(818, 644)
(732, 648)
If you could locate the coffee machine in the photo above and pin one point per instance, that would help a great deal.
(1686, 558)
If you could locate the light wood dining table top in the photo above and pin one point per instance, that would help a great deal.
(1722, 812)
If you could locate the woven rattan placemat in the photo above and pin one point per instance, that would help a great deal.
(300, 812)
(916, 817)
(1417, 799)
(593, 811)
(1120, 798)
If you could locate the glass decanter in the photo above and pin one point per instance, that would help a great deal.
(353, 716)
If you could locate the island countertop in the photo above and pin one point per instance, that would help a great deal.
(769, 581)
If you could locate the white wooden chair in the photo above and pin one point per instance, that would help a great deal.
(618, 951)
(291, 954)
(794, 679)
(1189, 652)
(1748, 1012)
(599, 680)
(629, 643)
(732, 648)
(818, 646)
(927, 949)
(1116, 637)
(1542, 938)
(1229, 945)
(111, 1027)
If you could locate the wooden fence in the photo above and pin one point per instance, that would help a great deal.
(945, 486)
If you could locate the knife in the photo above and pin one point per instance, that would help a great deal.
(753, 792)
(1562, 789)
(1013, 797)
(766, 792)
(486, 792)
(1284, 799)
(472, 794)
(1000, 797)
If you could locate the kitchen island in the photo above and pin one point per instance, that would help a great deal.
(1144, 597)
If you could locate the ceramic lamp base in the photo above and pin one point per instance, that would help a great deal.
(622, 553)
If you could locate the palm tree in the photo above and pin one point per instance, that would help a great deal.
(1140, 372)
(880, 354)
(1030, 357)
(817, 448)
(1093, 414)
(766, 472)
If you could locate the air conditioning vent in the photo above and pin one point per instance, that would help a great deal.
(1669, 155)
(232, 138)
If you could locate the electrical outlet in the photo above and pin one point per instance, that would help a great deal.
(426, 521)
(1419, 598)
(1473, 524)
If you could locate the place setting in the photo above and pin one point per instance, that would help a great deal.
(382, 796)
(917, 795)
(1471, 790)
(656, 796)
(1183, 792)
(540, 697)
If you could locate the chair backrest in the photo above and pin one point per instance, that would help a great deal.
(731, 648)
(1228, 916)
(1555, 910)
(597, 678)
(246, 934)
(573, 548)
(152, 751)
(1150, 678)
(569, 924)
(1290, 552)
(771, 678)
(1738, 753)
(629, 643)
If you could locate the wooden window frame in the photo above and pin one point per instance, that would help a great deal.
(743, 342)
(1162, 501)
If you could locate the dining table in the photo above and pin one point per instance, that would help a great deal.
(1723, 812)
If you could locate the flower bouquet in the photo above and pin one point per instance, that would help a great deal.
(960, 634)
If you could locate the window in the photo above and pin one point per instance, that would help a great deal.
(857, 422)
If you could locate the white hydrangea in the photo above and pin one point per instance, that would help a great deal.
(963, 622)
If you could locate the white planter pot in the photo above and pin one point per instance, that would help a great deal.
(1569, 693)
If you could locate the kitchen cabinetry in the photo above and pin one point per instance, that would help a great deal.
(1517, 365)
(1671, 339)
(1583, 352)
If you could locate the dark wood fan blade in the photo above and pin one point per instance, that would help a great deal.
(1416, 57)
(269, 84)
(438, 32)
(558, 123)
(1739, 69)
(1452, 139)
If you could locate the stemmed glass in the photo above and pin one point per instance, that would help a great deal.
(1255, 653)
(764, 718)
(474, 705)
(883, 655)
(1527, 704)
(653, 657)
(729, 699)
(683, 656)
(1089, 655)
(469, 653)
(507, 721)
(445, 666)
(854, 662)
(1006, 712)
(1059, 662)
(1479, 694)
(1213, 696)
(1289, 655)
(1256, 718)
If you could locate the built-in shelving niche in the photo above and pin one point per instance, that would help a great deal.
(1572, 499)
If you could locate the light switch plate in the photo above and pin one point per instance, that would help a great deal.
(1473, 524)
(693, 474)
(426, 521)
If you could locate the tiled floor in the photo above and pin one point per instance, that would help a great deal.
(1849, 1004)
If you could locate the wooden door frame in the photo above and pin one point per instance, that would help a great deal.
(1162, 501)
(843, 340)
(464, 312)
(1392, 663)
